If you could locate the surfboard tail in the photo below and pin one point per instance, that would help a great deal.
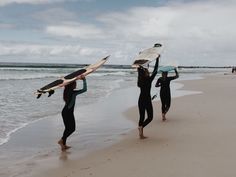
(39, 93)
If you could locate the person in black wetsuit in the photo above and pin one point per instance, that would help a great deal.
(233, 69)
(164, 83)
(69, 97)
(145, 101)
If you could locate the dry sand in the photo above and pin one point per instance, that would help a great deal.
(197, 140)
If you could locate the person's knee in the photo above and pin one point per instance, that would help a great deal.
(150, 118)
(140, 124)
(72, 129)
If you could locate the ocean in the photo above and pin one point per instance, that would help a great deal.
(19, 106)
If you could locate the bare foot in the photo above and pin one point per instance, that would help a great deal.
(140, 129)
(67, 147)
(141, 136)
(63, 147)
(163, 117)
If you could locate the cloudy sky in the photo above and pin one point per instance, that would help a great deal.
(193, 32)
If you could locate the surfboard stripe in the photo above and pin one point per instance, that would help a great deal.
(140, 62)
(75, 74)
(53, 84)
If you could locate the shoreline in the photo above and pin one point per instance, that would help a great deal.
(44, 156)
(186, 145)
(117, 84)
(37, 141)
(116, 87)
(21, 144)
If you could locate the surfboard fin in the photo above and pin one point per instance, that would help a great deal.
(39, 95)
(50, 93)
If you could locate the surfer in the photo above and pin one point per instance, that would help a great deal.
(233, 69)
(69, 97)
(164, 83)
(145, 102)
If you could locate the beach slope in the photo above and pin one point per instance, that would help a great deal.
(197, 140)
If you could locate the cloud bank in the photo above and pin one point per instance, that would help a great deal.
(24, 51)
(194, 33)
(35, 2)
(76, 30)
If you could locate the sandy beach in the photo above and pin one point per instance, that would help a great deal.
(196, 140)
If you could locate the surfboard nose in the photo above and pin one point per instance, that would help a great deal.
(106, 57)
(157, 45)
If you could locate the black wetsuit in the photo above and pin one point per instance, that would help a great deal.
(68, 112)
(165, 92)
(145, 101)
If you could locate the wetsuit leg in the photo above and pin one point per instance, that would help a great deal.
(168, 102)
(69, 122)
(149, 108)
(141, 108)
(163, 103)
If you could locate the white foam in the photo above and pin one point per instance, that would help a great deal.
(7, 137)
(109, 74)
(28, 77)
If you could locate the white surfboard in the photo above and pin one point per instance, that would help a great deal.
(147, 56)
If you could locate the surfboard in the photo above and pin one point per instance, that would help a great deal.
(147, 56)
(166, 68)
(49, 88)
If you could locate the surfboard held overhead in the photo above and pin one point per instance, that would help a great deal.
(51, 87)
(166, 68)
(147, 56)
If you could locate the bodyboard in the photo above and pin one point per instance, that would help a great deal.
(166, 68)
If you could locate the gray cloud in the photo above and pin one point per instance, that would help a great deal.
(75, 30)
(6, 2)
(35, 2)
(54, 15)
(194, 33)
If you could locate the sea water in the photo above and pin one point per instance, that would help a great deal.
(19, 106)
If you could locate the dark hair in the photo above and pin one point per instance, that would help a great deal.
(164, 74)
(68, 91)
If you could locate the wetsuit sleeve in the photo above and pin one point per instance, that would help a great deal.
(176, 75)
(84, 89)
(77, 92)
(154, 73)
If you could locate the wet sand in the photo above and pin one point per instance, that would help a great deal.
(196, 140)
